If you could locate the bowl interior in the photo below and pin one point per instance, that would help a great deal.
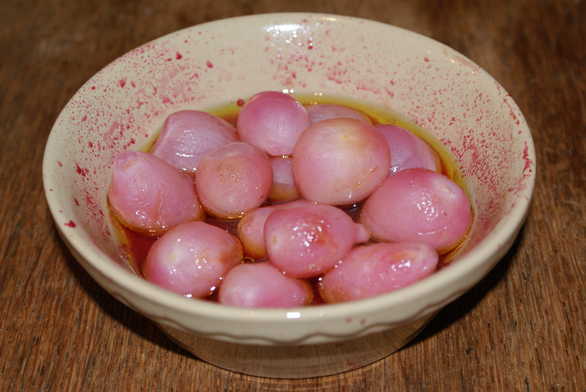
(217, 63)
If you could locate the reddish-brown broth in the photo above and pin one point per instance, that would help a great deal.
(136, 245)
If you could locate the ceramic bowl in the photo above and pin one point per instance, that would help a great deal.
(216, 63)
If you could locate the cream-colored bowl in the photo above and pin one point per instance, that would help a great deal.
(123, 105)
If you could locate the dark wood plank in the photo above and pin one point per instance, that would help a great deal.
(520, 329)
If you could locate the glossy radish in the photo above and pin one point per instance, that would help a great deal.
(251, 227)
(418, 205)
(192, 258)
(273, 122)
(340, 161)
(407, 150)
(307, 241)
(233, 179)
(150, 196)
(261, 285)
(376, 269)
(189, 134)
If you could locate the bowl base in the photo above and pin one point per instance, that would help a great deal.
(298, 361)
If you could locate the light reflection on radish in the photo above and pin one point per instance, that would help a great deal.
(283, 188)
(150, 196)
(320, 112)
(340, 161)
(191, 259)
(377, 269)
(407, 150)
(273, 122)
(261, 285)
(189, 134)
(307, 241)
(418, 205)
(233, 179)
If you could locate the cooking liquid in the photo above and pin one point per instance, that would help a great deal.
(136, 245)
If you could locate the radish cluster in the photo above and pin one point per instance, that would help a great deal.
(287, 174)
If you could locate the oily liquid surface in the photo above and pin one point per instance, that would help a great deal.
(136, 245)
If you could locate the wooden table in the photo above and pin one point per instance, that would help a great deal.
(522, 328)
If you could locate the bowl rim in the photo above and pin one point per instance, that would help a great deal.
(484, 251)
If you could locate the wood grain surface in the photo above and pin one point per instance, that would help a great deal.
(523, 328)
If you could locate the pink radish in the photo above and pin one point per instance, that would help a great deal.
(273, 122)
(191, 259)
(150, 196)
(418, 205)
(407, 150)
(189, 134)
(307, 241)
(261, 285)
(340, 161)
(233, 179)
(251, 227)
(377, 269)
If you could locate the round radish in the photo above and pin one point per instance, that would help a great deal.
(377, 269)
(307, 241)
(407, 150)
(340, 161)
(273, 122)
(150, 196)
(233, 179)
(261, 285)
(251, 227)
(189, 134)
(418, 205)
(191, 259)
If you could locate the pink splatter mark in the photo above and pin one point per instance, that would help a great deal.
(209, 64)
(81, 171)
(240, 102)
(112, 129)
(122, 83)
(59, 163)
(528, 161)
(130, 143)
(90, 144)
(426, 59)
(76, 201)
(334, 79)
(133, 84)
(166, 99)
(90, 201)
(389, 93)
(93, 87)
(70, 224)
(178, 56)
(84, 118)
